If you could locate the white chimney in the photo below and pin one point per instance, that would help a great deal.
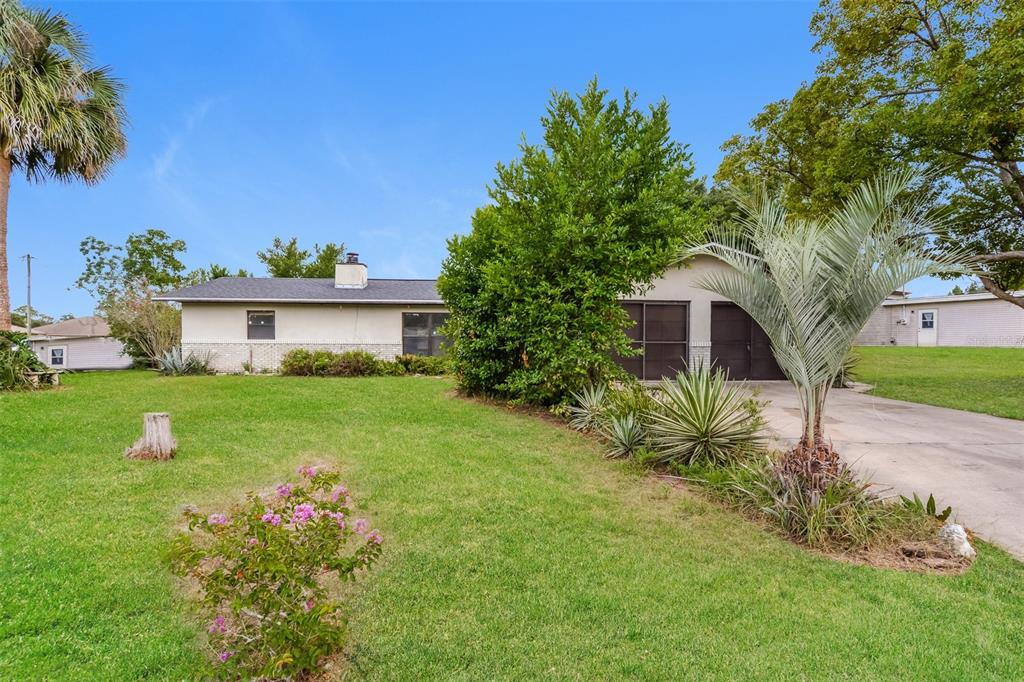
(350, 273)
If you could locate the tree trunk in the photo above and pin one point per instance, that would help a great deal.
(157, 441)
(5, 290)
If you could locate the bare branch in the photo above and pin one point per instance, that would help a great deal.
(996, 291)
(1001, 257)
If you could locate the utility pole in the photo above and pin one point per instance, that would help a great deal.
(28, 316)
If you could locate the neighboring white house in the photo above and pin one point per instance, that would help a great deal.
(79, 343)
(254, 321)
(963, 320)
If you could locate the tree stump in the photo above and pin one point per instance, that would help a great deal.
(157, 441)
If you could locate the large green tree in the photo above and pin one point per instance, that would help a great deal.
(592, 214)
(60, 117)
(286, 259)
(933, 83)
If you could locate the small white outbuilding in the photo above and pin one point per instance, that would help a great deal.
(978, 319)
(79, 343)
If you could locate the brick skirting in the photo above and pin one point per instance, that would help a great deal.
(230, 357)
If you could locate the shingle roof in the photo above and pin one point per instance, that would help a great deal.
(78, 326)
(296, 290)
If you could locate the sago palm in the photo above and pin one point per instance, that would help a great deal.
(59, 117)
(813, 284)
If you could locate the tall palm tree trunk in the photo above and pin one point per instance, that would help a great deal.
(5, 289)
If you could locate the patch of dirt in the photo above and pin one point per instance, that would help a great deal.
(930, 556)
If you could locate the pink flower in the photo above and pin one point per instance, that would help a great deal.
(284, 490)
(303, 512)
(308, 472)
(339, 519)
(217, 520)
(308, 605)
(252, 542)
(338, 492)
(224, 656)
(271, 518)
(375, 537)
(218, 625)
(362, 525)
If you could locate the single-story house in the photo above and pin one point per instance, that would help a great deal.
(254, 321)
(79, 343)
(978, 319)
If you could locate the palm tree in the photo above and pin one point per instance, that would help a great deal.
(59, 117)
(813, 284)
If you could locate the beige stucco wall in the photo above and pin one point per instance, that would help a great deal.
(680, 284)
(986, 322)
(220, 330)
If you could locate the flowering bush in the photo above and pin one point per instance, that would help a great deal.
(265, 572)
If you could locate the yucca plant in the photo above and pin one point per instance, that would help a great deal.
(702, 420)
(626, 434)
(587, 413)
(813, 284)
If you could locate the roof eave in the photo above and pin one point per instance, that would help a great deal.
(375, 301)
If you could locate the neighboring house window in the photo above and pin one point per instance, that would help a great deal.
(261, 324)
(56, 357)
(421, 335)
(927, 320)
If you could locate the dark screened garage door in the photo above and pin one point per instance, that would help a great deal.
(660, 331)
(739, 345)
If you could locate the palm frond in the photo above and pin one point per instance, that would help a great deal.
(812, 285)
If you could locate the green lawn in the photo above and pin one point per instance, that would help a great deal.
(989, 380)
(514, 550)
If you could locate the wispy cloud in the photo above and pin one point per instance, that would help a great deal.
(163, 163)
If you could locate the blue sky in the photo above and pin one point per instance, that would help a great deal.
(373, 124)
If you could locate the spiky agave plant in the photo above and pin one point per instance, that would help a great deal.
(588, 412)
(702, 420)
(813, 284)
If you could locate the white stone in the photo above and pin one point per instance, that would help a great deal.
(955, 537)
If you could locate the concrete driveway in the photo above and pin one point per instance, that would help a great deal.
(971, 461)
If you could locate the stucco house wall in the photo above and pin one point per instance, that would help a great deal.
(220, 331)
(968, 320)
(680, 284)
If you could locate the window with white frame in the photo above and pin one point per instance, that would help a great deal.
(928, 320)
(57, 356)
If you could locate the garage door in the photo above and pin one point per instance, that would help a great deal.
(739, 345)
(660, 332)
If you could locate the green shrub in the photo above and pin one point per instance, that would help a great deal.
(266, 572)
(324, 363)
(354, 363)
(601, 206)
(701, 420)
(429, 365)
(390, 368)
(16, 360)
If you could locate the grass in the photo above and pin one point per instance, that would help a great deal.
(514, 550)
(987, 380)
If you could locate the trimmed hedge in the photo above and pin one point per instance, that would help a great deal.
(356, 363)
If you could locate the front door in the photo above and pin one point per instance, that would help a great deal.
(740, 346)
(927, 327)
(731, 336)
